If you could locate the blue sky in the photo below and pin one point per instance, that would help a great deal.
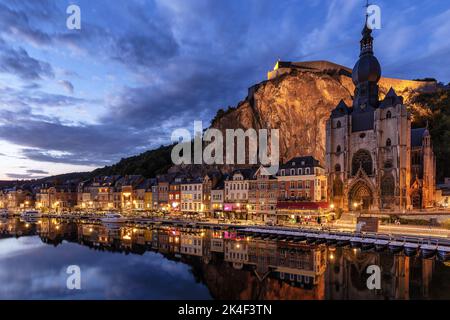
(74, 100)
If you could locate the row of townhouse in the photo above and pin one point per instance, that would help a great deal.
(299, 186)
(250, 193)
(16, 198)
(124, 193)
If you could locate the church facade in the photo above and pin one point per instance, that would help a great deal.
(374, 159)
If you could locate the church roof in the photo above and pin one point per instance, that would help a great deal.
(391, 99)
(417, 136)
(341, 110)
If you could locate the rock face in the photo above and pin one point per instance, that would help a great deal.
(298, 102)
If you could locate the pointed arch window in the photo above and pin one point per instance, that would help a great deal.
(338, 149)
(388, 115)
(337, 168)
(338, 125)
(362, 159)
(388, 143)
(388, 186)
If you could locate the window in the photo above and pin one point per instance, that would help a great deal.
(292, 172)
(388, 186)
(307, 171)
(388, 115)
(362, 159)
(338, 150)
(337, 168)
(338, 187)
(338, 124)
(388, 143)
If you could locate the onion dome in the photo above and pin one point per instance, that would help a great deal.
(367, 68)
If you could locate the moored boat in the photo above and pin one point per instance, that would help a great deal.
(443, 253)
(381, 245)
(31, 214)
(113, 218)
(343, 241)
(428, 251)
(411, 249)
(367, 244)
(331, 239)
(356, 242)
(395, 246)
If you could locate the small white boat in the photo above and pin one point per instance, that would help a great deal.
(31, 214)
(113, 218)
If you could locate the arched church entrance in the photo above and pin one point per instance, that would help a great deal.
(361, 195)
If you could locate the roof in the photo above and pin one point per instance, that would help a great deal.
(341, 110)
(417, 137)
(221, 183)
(391, 99)
(246, 173)
(301, 162)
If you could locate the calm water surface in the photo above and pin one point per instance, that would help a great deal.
(163, 262)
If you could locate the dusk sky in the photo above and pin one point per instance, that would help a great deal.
(74, 100)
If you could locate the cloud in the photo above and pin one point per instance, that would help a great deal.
(67, 85)
(35, 171)
(31, 96)
(56, 142)
(174, 62)
(19, 63)
(19, 176)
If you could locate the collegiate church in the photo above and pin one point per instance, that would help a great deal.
(374, 159)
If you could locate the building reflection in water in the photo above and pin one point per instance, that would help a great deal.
(233, 266)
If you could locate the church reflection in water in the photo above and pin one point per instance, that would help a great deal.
(233, 266)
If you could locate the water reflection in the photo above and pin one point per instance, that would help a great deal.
(164, 262)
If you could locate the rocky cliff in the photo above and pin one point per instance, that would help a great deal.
(298, 99)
